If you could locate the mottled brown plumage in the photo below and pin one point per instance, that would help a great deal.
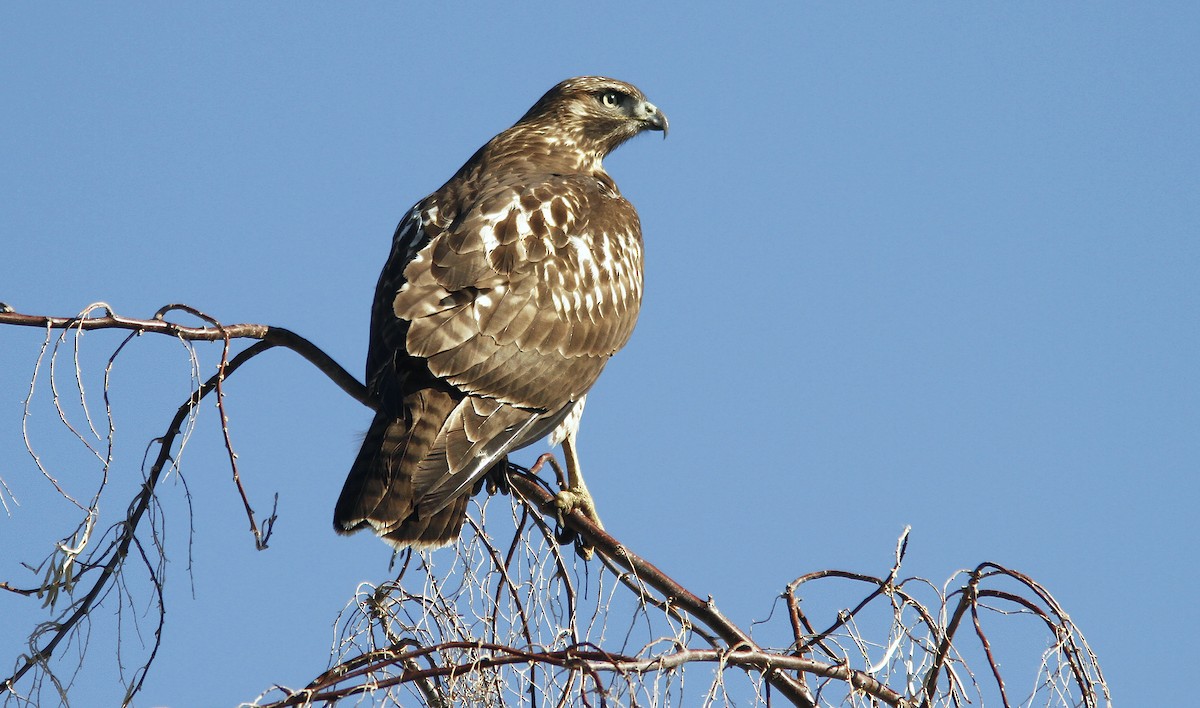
(506, 292)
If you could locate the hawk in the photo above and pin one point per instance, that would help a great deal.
(505, 294)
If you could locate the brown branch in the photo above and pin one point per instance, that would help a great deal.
(739, 648)
(991, 659)
(261, 538)
(591, 660)
(137, 510)
(20, 591)
(706, 611)
(270, 337)
(1061, 625)
(968, 597)
(883, 586)
(276, 336)
(506, 580)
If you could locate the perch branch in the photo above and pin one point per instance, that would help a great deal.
(705, 611)
(738, 649)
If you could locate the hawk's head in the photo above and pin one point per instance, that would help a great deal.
(595, 113)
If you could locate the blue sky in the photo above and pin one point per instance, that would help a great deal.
(925, 264)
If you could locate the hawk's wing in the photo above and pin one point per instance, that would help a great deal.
(388, 366)
(514, 300)
(524, 297)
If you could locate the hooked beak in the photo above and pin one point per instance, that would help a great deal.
(652, 118)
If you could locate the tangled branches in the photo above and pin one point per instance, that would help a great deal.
(512, 616)
(505, 623)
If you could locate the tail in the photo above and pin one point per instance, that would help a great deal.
(379, 492)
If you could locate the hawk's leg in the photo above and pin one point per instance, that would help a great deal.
(575, 495)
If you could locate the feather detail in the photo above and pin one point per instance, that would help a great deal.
(504, 295)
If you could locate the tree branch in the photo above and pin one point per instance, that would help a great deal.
(705, 610)
(276, 336)
(137, 510)
(269, 337)
(783, 671)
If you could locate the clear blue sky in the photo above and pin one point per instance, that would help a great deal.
(932, 265)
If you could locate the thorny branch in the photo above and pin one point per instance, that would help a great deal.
(477, 630)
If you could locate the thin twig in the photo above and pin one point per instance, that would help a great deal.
(128, 527)
(706, 611)
(440, 614)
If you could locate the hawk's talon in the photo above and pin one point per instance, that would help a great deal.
(569, 500)
(564, 536)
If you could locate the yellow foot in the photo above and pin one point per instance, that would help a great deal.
(569, 500)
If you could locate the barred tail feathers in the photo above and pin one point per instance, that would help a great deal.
(379, 491)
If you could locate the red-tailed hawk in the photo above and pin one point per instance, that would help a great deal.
(506, 292)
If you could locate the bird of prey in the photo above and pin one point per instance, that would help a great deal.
(505, 294)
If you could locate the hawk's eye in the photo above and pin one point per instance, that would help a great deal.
(611, 99)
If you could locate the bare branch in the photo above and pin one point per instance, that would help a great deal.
(547, 620)
(127, 533)
(276, 336)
